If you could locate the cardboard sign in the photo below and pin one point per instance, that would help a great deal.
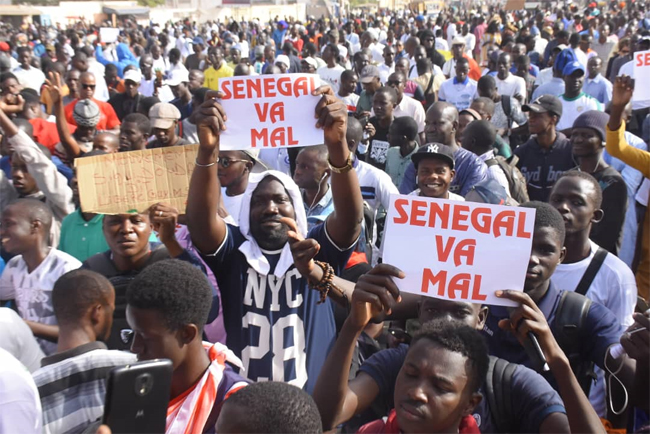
(514, 5)
(270, 111)
(133, 181)
(456, 250)
(641, 74)
(108, 35)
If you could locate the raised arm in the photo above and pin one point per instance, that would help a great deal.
(616, 144)
(344, 224)
(207, 228)
(53, 85)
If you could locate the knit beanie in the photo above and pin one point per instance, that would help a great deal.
(593, 119)
(86, 113)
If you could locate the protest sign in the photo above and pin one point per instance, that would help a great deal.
(133, 181)
(641, 73)
(108, 34)
(514, 5)
(457, 250)
(270, 111)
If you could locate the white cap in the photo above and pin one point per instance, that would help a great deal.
(458, 40)
(177, 76)
(133, 75)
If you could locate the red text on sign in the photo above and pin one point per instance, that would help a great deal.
(452, 287)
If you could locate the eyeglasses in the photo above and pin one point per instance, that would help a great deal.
(88, 86)
(226, 162)
(126, 335)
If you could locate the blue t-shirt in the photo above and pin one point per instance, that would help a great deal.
(601, 330)
(533, 399)
(274, 324)
(470, 170)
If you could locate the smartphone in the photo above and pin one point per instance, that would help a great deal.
(137, 396)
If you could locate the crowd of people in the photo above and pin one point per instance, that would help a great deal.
(268, 292)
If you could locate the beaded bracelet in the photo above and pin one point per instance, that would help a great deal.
(325, 283)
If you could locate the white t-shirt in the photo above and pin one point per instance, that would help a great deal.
(613, 286)
(17, 338)
(33, 291)
(512, 85)
(331, 76)
(385, 71)
(32, 78)
(20, 405)
(572, 108)
(412, 108)
(232, 204)
(450, 195)
(350, 101)
(457, 93)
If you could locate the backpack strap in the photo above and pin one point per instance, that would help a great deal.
(498, 390)
(506, 103)
(591, 271)
(491, 162)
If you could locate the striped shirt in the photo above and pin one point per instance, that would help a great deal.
(72, 386)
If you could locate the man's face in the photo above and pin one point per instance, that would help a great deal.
(573, 82)
(155, 51)
(503, 66)
(439, 127)
(593, 67)
(173, 57)
(309, 170)
(146, 66)
(87, 90)
(198, 48)
(539, 122)
(585, 142)
(371, 86)
(434, 177)
(383, 106)
(196, 81)
(131, 138)
(235, 169)
(269, 53)
(131, 88)
(458, 50)
(402, 65)
(428, 42)
(546, 254)
(165, 135)
(397, 82)
(328, 54)
(72, 80)
(464, 119)
(178, 90)
(127, 235)
(420, 53)
(585, 43)
(389, 55)
(11, 87)
(463, 312)
(480, 108)
(111, 77)
(24, 58)
(270, 202)
(432, 390)
(152, 339)
(462, 69)
(349, 84)
(573, 198)
(522, 69)
(15, 230)
(361, 61)
(106, 142)
(23, 181)
(235, 55)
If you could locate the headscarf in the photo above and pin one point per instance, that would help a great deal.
(250, 248)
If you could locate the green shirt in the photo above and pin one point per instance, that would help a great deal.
(81, 238)
(396, 164)
(365, 102)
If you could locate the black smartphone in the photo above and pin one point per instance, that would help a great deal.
(137, 396)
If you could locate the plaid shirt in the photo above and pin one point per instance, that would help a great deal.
(72, 385)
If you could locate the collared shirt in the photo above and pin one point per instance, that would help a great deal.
(574, 107)
(72, 385)
(458, 93)
(411, 108)
(554, 87)
(599, 88)
(317, 213)
(396, 164)
(80, 238)
(212, 75)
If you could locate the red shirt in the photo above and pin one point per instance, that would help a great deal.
(467, 426)
(107, 120)
(45, 133)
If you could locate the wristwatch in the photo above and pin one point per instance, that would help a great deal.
(344, 169)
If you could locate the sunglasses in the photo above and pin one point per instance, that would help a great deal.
(88, 86)
(226, 162)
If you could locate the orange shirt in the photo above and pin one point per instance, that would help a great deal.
(107, 120)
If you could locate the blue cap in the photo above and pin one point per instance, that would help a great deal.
(572, 67)
(198, 41)
(563, 58)
(419, 18)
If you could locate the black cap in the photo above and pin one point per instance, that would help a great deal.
(544, 104)
(434, 150)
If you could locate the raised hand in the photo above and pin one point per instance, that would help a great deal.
(332, 115)
(53, 85)
(164, 217)
(374, 295)
(622, 91)
(210, 122)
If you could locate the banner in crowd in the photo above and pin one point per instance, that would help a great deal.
(270, 111)
(108, 35)
(641, 74)
(127, 182)
(457, 250)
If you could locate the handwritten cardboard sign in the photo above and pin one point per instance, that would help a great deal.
(133, 181)
(641, 73)
(457, 250)
(270, 111)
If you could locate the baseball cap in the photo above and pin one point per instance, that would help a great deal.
(458, 40)
(198, 41)
(565, 57)
(368, 73)
(420, 18)
(544, 104)
(177, 76)
(163, 115)
(310, 61)
(434, 150)
(284, 59)
(572, 67)
(258, 166)
(133, 75)
(4, 47)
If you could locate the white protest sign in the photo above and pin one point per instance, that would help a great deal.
(457, 250)
(108, 34)
(641, 73)
(270, 111)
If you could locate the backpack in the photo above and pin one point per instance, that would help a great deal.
(506, 103)
(516, 181)
(498, 393)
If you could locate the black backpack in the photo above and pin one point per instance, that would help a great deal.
(516, 181)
